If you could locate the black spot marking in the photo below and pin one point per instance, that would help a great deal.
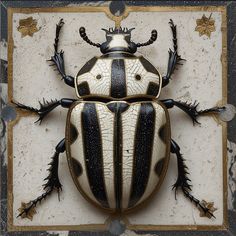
(83, 89)
(77, 168)
(138, 77)
(98, 76)
(88, 66)
(163, 133)
(73, 133)
(153, 89)
(159, 166)
(148, 66)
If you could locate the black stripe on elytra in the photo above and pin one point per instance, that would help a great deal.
(153, 89)
(92, 142)
(148, 66)
(118, 80)
(83, 88)
(144, 137)
(117, 109)
(88, 66)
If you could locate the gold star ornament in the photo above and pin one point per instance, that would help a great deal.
(210, 206)
(28, 26)
(26, 214)
(205, 26)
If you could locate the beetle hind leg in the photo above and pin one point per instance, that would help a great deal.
(182, 182)
(27, 210)
(53, 181)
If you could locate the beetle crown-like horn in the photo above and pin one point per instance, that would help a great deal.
(119, 30)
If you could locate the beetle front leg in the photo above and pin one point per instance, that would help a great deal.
(58, 58)
(191, 109)
(174, 57)
(182, 182)
(27, 210)
(46, 107)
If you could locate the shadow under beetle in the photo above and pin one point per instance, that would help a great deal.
(117, 137)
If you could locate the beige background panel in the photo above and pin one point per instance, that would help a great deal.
(200, 78)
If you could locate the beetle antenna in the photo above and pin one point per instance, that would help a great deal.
(150, 41)
(86, 39)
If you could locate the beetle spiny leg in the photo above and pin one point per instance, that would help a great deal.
(24, 107)
(27, 209)
(182, 180)
(58, 29)
(207, 211)
(52, 179)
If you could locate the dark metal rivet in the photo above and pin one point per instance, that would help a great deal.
(116, 227)
(8, 113)
(117, 8)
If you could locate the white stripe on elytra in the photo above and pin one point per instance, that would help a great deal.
(106, 120)
(129, 120)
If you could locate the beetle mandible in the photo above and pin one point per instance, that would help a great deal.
(117, 138)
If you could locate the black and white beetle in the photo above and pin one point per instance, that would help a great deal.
(117, 136)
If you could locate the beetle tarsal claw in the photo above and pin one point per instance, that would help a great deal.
(27, 210)
(209, 206)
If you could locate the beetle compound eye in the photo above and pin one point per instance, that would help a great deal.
(98, 76)
(138, 77)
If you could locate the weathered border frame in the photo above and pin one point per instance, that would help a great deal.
(231, 31)
(117, 20)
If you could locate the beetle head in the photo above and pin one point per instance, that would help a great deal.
(118, 39)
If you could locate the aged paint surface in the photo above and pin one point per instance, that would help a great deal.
(192, 81)
(3, 201)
